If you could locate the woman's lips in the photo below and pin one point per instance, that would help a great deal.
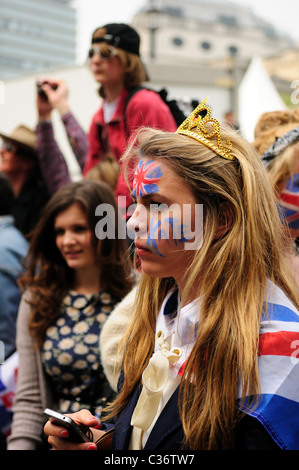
(141, 250)
(72, 254)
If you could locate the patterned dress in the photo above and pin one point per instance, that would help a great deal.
(71, 356)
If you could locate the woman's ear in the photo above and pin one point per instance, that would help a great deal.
(225, 220)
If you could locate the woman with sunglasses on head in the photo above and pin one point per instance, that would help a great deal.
(114, 60)
(209, 359)
(75, 276)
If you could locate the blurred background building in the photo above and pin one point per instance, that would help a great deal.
(205, 31)
(36, 35)
(205, 46)
(218, 49)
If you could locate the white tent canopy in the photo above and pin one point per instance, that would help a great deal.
(257, 95)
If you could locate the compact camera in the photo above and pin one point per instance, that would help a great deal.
(40, 92)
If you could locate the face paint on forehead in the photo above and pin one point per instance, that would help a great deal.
(146, 177)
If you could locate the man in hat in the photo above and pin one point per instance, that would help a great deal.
(18, 160)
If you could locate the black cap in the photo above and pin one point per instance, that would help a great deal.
(120, 35)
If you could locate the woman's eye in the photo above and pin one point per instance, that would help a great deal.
(157, 206)
(80, 228)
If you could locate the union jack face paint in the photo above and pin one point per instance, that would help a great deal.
(146, 177)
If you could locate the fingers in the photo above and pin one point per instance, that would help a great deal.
(84, 417)
(59, 436)
(65, 444)
(56, 92)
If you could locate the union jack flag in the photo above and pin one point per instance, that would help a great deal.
(146, 176)
(278, 360)
(278, 407)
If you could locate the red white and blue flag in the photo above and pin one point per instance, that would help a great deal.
(289, 205)
(146, 177)
(278, 363)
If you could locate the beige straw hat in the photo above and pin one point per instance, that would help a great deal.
(22, 136)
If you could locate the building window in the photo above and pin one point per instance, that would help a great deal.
(228, 20)
(177, 41)
(270, 32)
(233, 50)
(173, 11)
(206, 46)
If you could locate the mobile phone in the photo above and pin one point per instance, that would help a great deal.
(76, 433)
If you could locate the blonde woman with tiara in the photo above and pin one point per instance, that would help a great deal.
(210, 356)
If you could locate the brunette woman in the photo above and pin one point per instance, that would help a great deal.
(72, 283)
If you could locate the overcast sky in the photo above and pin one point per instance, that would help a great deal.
(283, 14)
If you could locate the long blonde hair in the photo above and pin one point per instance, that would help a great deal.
(233, 271)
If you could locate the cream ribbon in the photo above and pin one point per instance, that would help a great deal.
(154, 379)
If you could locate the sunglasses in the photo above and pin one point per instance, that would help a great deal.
(104, 54)
(8, 146)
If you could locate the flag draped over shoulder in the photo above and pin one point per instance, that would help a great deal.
(278, 364)
(278, 361)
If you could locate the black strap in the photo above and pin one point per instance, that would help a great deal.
(131, 93)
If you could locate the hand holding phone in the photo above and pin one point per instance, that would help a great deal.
(76, 434)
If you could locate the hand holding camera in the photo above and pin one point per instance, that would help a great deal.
(40, 90)
(51, 94)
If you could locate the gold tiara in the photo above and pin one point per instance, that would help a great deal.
(195, 126)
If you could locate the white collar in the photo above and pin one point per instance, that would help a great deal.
(178, 325)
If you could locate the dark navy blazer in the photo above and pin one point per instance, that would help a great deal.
(167, 434)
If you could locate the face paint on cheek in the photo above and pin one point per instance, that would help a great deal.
(178, 231)
(146, 177)
(155, 234)
(171, 228)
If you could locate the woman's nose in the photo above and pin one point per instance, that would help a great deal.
(68, 238)
(137, 224)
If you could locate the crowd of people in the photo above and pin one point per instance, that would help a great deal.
(185, 337)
